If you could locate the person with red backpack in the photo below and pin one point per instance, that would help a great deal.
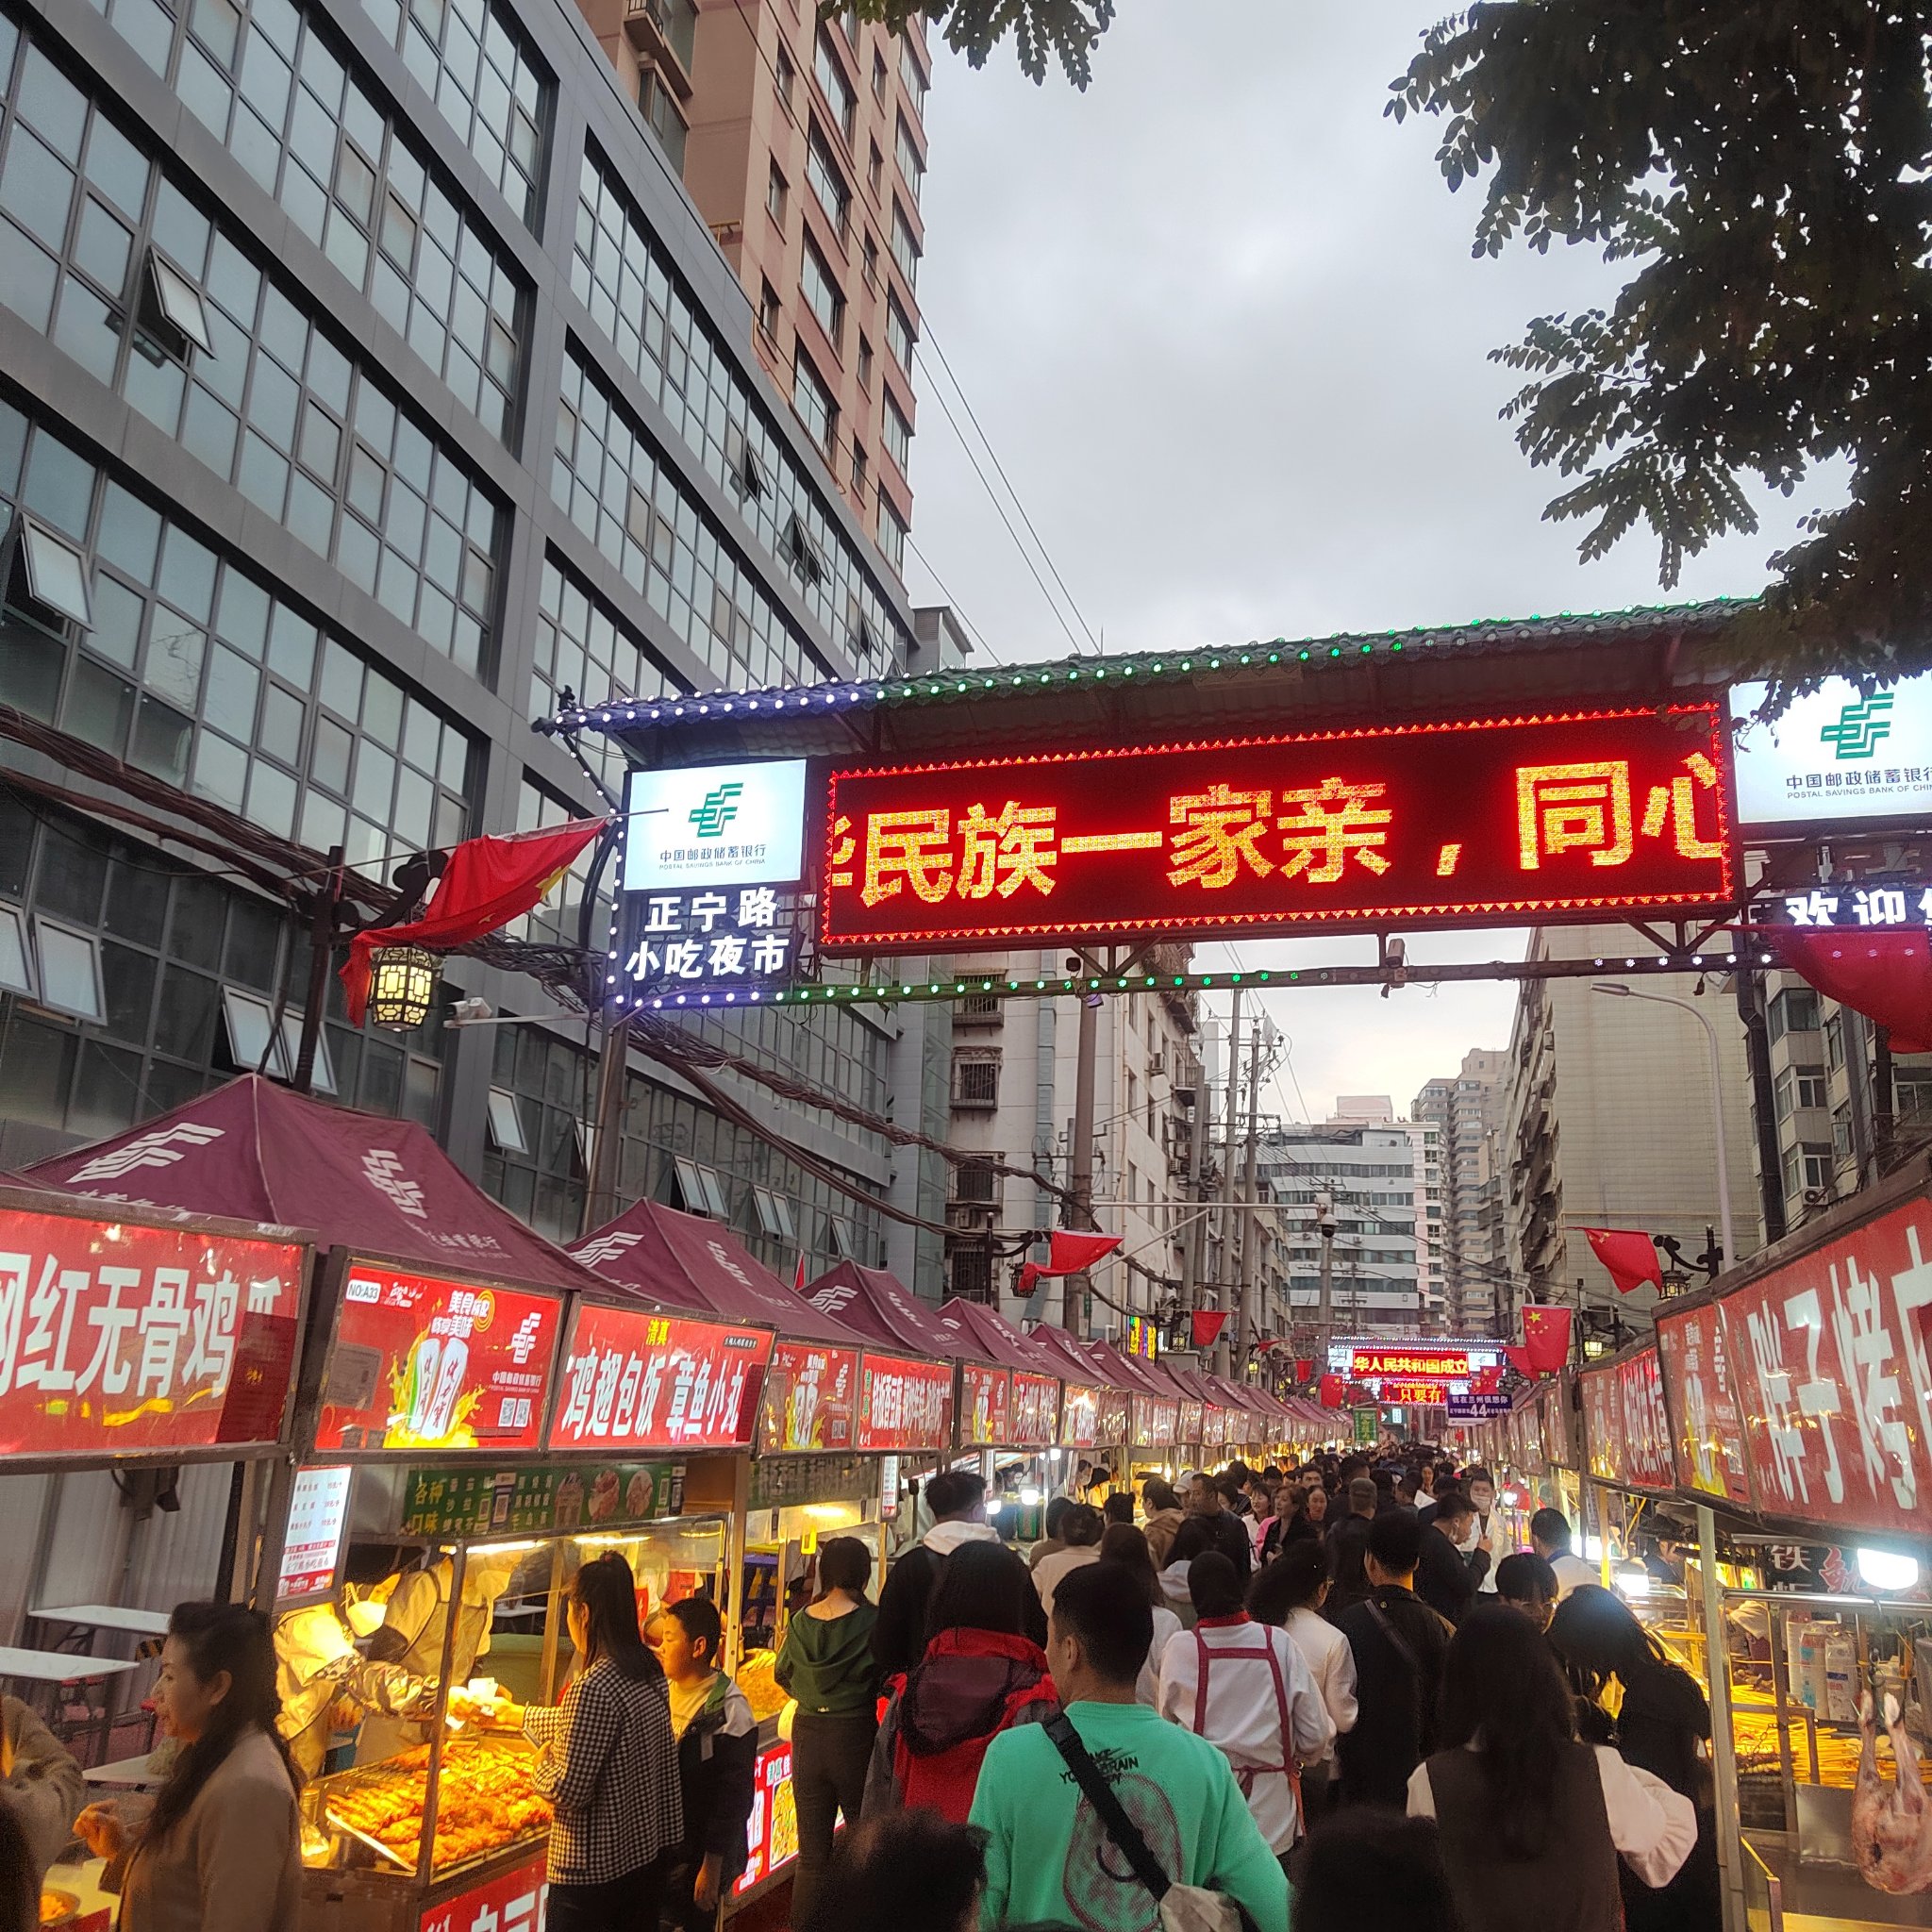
(980, 1675)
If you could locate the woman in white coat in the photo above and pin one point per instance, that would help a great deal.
(1246, 1688)
(1290, 1592)
(1126, 1548)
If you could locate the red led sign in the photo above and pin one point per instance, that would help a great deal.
(1440, 824)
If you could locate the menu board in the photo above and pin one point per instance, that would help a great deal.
(821, 1397)
(318, 1512)
(905, 1403)
(423, 1362)
(1035, 1410)
(1707, 1422)
(124, 1340)
(635, 1380)
(1830, 1357)
(1644, 1425)
(512, 1901)
(986, 1406)
(529, 1501)
(1079, 1416)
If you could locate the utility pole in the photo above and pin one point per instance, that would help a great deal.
(1224, 1272)
(321, 932)
(607, 1131)
(1325, 1308)
(1196, 1231)
(1251, 1194)
(1080, 1159)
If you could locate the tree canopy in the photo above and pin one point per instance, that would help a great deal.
(1065, 31)
(1761, 165)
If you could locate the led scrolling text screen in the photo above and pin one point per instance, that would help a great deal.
(1557, 816)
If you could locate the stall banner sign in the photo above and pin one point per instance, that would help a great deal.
(1157, 1421)
(1707, 1422)
(117, 1337)
(423, 1362)
(1476, 1409)
(513, 1901)
(1413, 1392)
(821, 1404)
(1213, 1426)
(1079, 1416)
(905, 1403)
(636, 1380)
(1553, 1419)
(1368, 1427)
(1438, 823)
(1428, 1364)
(1194, 1413)
(1035, 1410)
(532, 1501)
(318, 1514)
(1116, 1416)
(1603, 1418)
(1142, 1337)
(772, 1831)
(1831, 1357)
(1644, 1425)
(986, 1406)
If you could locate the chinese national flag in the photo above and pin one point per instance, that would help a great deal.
(1207, 1325)
(1546, 1337)
(1519, 1359)
(1885, 975)
(1331, 1391)
(487, 883)
(1629, 1257)
(1304, 1367)
(1484, 1381)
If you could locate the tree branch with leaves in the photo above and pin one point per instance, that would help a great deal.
(1042, 30)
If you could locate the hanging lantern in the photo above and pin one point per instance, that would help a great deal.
(403, 987)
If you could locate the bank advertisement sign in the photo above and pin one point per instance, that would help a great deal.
(714, 825)
(1836, 754)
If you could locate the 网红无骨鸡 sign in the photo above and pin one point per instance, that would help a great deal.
(1471, 823)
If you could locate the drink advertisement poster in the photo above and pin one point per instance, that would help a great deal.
(121, 1338)
(421, 1362)
(821, 1404)
(636, 1380)
(986, 1397)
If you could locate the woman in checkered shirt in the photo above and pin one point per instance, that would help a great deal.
(607, 1761)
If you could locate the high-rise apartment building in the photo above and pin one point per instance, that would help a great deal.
(367, 380)
(1608, 1122)
(1467, 1111)
(802, 143)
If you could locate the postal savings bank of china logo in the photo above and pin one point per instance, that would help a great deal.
(719, 808)
(1861, 727)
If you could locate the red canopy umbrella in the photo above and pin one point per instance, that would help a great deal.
(686, 1262)
(1001, 1340)
(254, 1151)
(880, 1308)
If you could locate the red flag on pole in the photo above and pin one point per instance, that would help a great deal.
(1331, 1390)
(798, 1275)
(487, 883)
(1519, 1359)
(1546, 1337)
(1628, 1255)
(1070, 1252)
(1885, 975)
(1206, 1325)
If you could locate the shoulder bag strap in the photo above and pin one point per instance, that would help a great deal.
(1099, 1793)
(1400, 1644)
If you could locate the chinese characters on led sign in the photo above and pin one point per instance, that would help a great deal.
(1567, 816)
(1870, 903)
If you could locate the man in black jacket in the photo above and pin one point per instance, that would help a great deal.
(1348, 1543)
(1446, 1580)
(1212, 1526)
(1399, 1646)
(957, 1498)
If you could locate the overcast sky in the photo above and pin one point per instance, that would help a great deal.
(1219, 319)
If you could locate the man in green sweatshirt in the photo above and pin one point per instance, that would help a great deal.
(1049, 1858)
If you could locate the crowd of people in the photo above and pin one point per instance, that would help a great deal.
(1331, 1697)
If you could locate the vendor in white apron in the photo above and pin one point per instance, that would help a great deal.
(1246, 1687)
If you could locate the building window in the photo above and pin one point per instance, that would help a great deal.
(898, 436)
(828, 182)
(176, 303)
(663, 116)
(775, 1214)
(893, 534)
(507, 1122)
(1800, 1087)
(256, 1047)
(913, 75)
(16, 973)
(976, 1183)
(899, 336)
(700, 1191)
(1793, 1010)
(70, 969)
(870, 262)
(776, 194)
(803, 553)
(783, 75)
(838, 91)
(975, 1080)
(879, 76)
(55, 572)
(1835, 1041)
(741, 463)
(768, 310)
(822, 294)
(864, 363)
(875, 171)
(904, 249)
(912, 164)
(1807, 1169)
(972, 1273)
(844, 1244)
(813, 401)
(859, 472)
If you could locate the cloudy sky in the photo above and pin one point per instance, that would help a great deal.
(1219, 321)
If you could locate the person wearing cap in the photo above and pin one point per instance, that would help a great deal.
(1348, 1543)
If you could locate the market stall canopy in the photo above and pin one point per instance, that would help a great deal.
(1076, 1364)
(254, 1151)
(881, 1309)
(1004, 1342)
(685, 1261)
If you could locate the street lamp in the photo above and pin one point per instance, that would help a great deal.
(1717, 1101)
(403, 987)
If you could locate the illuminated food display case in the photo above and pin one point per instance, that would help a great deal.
(489, 1438)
